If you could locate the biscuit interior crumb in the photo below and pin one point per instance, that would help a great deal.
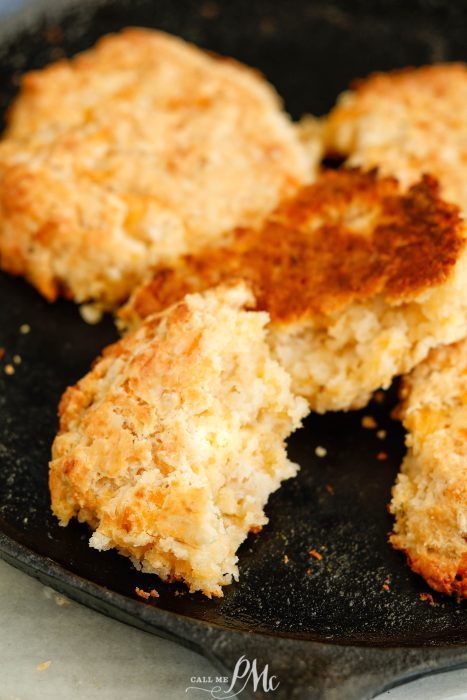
(429, 498)
(171, 445)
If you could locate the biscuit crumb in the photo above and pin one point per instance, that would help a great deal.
(255, 529)
(25, 328)
(427, 597)
(369, 422)
(147, 594)
(90, 313)
(381, 456)
(9, 369)
(330, 489)
(141, 593)
(386, 584)
(308, 572)
(315, 554)
(2, 353)
(17, 359)
(61, 601)
(286, 559)
(43, 666)
(381, 434)
(321, 451)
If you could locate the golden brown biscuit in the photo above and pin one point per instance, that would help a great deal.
(171, 445)
(430, 495)
(359, 280)
(407, 123)
(140, 149)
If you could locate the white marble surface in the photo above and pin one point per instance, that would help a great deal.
(92, 657)
(96, 658)
(7, 6)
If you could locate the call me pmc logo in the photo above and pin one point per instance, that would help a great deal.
(245, 673)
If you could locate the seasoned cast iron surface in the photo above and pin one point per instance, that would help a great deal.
(337, 505)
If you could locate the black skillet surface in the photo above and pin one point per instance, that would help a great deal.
(327, 627)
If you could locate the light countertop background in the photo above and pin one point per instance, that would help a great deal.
(93, 657)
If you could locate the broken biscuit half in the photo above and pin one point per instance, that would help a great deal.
(171, 445)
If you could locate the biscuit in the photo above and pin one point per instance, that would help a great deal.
(406, 123)
(171, 445)
(429, 499)
(360, 281)
(137, 150)
(310, 132)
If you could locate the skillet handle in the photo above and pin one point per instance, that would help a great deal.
(316, 671)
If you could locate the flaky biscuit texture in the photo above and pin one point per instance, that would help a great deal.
(171, 445)
(430, 496)
(136, 151)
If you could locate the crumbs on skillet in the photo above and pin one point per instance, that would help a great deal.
(315, 554)
(427, 597)
(146, 594)
(369, 422)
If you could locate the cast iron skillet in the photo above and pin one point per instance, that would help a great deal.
(327, 628)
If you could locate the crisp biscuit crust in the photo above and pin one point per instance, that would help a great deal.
(347, 270)
(171, 445)
(406, 123)
(138, 150)
(347, 238)
(430, 496)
